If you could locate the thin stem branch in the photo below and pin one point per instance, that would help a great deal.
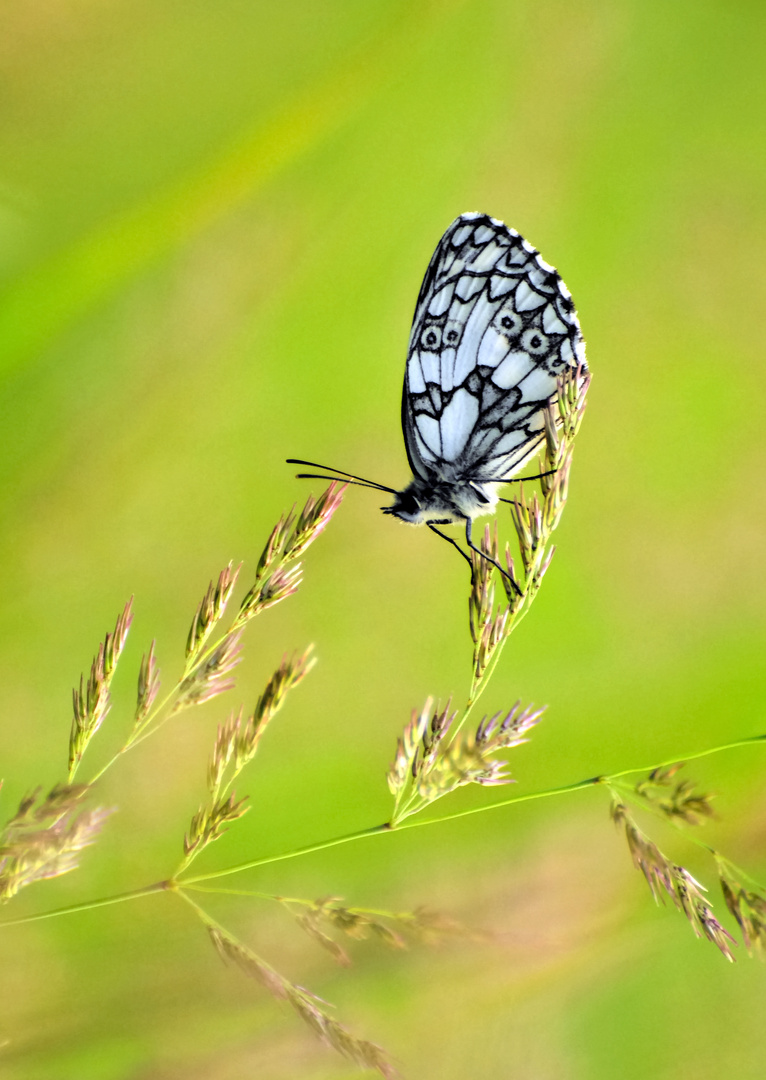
(738, 871)
(690, 757)
(207, 919)
(89, 905)
(412, 823)
(361, 834)
(408, 824)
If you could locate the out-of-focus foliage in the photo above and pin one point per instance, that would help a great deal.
(214, 220)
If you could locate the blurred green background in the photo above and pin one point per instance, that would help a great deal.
(214, 220)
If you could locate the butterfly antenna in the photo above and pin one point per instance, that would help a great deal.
(339, 479)
(342, 477)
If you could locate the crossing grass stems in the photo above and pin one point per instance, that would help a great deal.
(442, 748)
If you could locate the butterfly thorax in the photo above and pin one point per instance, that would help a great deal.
(441, 501)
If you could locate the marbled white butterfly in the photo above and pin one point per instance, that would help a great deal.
(494, 326)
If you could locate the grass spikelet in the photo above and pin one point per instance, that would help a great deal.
(210, 678)
(646, 855)
(407, 748)
(679, 801)
(309, 922)
(434, 737)
(430, 762)
(487, 623)
(311, 1009)
(148, 687)
(433, 927)
(280, 584)
(666, 878)
(45, 837)
(313, 520)
(500, 732)
(91, 702)
(292, 671)
(209, 612)
(461, 763)
(278, 574)
(233, 951)
(235, 747)
(698, 911)
(357, 923)
(210, 822)
(318, 918)
(223, 751)
(569, 409)
(747, 905)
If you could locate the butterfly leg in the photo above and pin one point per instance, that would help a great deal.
(432, 526)
(489, 559)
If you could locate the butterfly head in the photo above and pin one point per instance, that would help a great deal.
(407, 506)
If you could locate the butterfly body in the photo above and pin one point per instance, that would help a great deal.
(494, 329)
(442, 501)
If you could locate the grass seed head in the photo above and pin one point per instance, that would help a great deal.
(235, 746)
(209, 612)
(91, 701)
(309, 921)
(148, 686)
(210, 678)
(502, 732)
(45, 837)
(275, 577)
(666, 878)
(311, 1009)
(747, 905)
(679, 800)
(211, 822)
(314, 519)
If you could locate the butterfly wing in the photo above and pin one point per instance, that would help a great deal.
(493, 328)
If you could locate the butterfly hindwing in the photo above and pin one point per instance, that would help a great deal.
(494, 325)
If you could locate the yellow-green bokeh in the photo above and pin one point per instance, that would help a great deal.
(214, 220)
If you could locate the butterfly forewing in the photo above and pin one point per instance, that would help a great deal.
(494, 326)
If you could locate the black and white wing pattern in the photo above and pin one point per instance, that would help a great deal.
(494, 325)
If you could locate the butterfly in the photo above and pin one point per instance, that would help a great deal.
(494, 327)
